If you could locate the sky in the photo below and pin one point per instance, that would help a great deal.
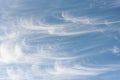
(59, 39)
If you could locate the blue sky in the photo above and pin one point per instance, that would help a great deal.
(59, 39)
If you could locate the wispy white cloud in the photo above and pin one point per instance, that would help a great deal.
(86, 20)
(10, 53)
(57, 30)
(15, 75)
(60, 70)
(116, 50)
(81, 20)
(19, 45)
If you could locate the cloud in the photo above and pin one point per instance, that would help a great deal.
(28, 41)
(10, 53)
(87, 20)
(18, 74)
(57, 30)
(61, 70)
(116, 50)
(81, 20)
(14, 75)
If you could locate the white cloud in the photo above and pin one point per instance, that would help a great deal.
(61, 70)
(57, 30)
(116, 50)
(82, 20)
(17, 74)
(87, 20)
(17, 34)
(10, 53)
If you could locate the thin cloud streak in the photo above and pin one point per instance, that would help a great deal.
(86, 20)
